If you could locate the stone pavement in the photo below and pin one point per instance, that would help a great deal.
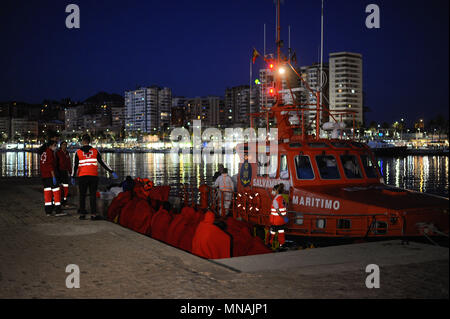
(118, 263)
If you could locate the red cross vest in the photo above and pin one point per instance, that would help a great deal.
(275, 218)
(87, 163)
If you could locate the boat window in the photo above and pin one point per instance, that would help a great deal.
(369, 166)
(267, 165)
(295, 145)
(328, 168)
(284, 171)
(340, 144)
(273, 166)
(318, 145)
(351, 166)
(304, 168)
(344, 224)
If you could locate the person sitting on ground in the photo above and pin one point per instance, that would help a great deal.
(161, 222)
(210, 241)
(127, 184)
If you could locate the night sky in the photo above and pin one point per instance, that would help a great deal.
(199, 48)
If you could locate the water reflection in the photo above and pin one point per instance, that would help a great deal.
(421, 173)
(427, 174)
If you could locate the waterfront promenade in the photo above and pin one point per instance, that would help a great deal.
(118, 263)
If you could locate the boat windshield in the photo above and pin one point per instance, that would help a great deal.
(328, 168)
(369, 166)
(267, 165)
(351, 166)
(284, 170)
(304, 168)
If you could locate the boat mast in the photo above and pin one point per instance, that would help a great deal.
(278, 86)
(321, 67)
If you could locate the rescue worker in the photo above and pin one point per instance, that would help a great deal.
(86, 163)
(52, 193)
(64, 170)
(278, 212)
(218, 173)
(226, 188)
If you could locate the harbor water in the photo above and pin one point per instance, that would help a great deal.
(428, 174)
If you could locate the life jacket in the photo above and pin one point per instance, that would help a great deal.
(275, 219)
(210, 241)
(225, 183)
(88, 164)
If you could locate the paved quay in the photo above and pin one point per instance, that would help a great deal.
(118, 263)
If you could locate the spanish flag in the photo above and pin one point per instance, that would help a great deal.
(255, 55)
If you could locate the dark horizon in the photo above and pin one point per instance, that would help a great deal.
(200, 48)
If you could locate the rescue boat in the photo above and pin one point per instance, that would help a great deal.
(334, 186)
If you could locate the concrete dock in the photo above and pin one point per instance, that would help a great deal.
(118, 263)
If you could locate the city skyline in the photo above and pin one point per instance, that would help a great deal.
(402, 67)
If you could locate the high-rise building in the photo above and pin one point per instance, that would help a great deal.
(346, 85)
(117, 118)
(313, 80)
(240, 101)
(207, 109)
(164, 107)
(74, 118)
(147, 109)
(267, 81)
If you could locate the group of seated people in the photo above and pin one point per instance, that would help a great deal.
(144, 208)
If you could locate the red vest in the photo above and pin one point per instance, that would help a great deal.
(87, 163)
(275, 218)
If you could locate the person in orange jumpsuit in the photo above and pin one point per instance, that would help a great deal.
(278, 212)
(210, 241)
(161, 222)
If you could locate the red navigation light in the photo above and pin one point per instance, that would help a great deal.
(271, 66)
(271, 91)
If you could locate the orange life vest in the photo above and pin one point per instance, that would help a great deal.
(88, 165)
(275, 218)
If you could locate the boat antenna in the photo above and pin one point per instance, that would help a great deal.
(289, 42)
(321, 58)
(264, 40)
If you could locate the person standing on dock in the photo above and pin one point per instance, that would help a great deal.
(64, 170)
(226, 189)
(278, 214)
(86, 163)
(218, 173)
(52, 193)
